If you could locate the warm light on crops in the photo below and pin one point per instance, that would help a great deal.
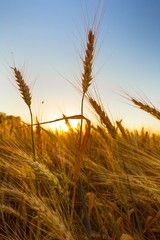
(61, 126)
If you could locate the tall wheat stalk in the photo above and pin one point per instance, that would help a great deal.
(87, 73)
(86, 82)
(27, 97)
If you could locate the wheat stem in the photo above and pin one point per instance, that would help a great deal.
(26, 95)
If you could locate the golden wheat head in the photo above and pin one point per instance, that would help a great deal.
(103, 116)
(23, 87)
(88, 62)
(147, 108)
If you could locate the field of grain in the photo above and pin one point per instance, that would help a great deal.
(117, 189)
(96, 182)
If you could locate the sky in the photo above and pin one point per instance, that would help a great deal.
(46, 40)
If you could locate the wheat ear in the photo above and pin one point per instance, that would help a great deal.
(23, 87)
(88, 62)
(103, 117)
(145, 107)
(122, 129)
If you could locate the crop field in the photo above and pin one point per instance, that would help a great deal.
(106, 187)
(91, 182)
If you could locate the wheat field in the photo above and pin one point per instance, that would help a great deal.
(96, 182)
(120, 176)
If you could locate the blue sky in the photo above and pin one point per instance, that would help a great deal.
(47, 38)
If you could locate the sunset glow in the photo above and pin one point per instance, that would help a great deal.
(61, 126)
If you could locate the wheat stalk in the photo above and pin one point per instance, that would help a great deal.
(46, 214)
(43, 173)
(86, 82)
(51, 218)
(67, 122)
(122, 129)
(26, 95)
(10, 210)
